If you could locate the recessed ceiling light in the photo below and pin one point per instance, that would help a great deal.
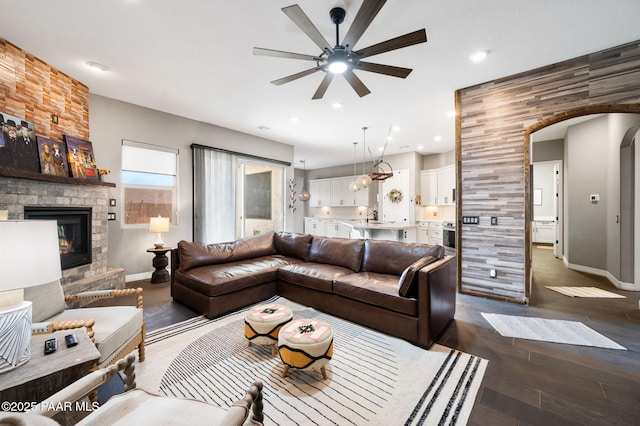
(389, 138)
(96, 66)
(337, 105)
(381, 149)
(295, 120)
(479, 56)
(451, 114)
(420, 147)
(437, 138)
(264, 128)
(395, 128)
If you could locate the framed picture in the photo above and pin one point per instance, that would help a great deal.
(18, 149)
(53, 157)
(82, 162)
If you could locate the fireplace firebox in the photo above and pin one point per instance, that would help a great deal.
(74, 232)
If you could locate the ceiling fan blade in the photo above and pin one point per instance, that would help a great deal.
(281, 54)
(295, 76)
(324, 84)
(384, 69)
(356, 83)
(361, 22)
(406, 40)
(303, 22)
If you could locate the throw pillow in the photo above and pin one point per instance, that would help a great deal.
(406, 287)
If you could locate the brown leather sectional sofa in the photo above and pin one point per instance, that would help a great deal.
(406, 290)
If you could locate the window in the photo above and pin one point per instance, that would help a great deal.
(149, 182)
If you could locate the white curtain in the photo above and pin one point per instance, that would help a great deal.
(214, 195)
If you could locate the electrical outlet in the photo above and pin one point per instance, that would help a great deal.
(494, 220)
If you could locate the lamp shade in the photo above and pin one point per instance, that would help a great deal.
(29, 253)
(159, 224)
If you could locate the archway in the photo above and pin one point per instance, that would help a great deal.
(557, 118)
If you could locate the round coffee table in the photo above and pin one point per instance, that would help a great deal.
(262, 324)
(305, 344)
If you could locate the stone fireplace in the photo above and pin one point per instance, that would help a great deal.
(74, 231)
(35, 194)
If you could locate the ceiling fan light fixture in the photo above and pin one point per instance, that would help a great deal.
(337, 67)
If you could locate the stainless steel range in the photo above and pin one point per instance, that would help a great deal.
(449, 238)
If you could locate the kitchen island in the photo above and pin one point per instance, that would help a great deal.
(378, 230)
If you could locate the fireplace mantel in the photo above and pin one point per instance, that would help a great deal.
(21, 174)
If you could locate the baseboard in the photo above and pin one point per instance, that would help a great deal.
(137, 277)
(602, 273)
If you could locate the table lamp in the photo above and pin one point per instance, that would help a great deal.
(29, 256)
(159, 225)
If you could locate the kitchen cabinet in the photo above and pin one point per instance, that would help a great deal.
(423, 233)
(446, 185)
(334, 228)
(544, 231)
(315, 226)
(320, 191)
(341, 195)
(435, 233)
(335, 192)
(429, 187)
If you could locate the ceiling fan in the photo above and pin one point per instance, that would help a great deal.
(341, 58)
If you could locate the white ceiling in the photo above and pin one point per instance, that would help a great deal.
(194, 59)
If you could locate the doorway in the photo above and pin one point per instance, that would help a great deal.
(599, 200)
(260, 198)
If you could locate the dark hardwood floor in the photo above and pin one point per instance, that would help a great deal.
(526, 382)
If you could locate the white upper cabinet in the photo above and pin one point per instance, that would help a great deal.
(429, 187)
(446, 185)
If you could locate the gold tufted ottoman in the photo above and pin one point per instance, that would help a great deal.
(305, 344)
(263, 322)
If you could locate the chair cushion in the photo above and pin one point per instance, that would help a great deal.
(375, 289)
(408, 283)
(293, 245)
(199, 254)
(47, 299)
(393, 257)
(317, 276)
(138, 407)
(216, 280)
(115, 326)
(337, 251)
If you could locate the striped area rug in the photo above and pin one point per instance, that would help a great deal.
(585, 292)
(372, 379)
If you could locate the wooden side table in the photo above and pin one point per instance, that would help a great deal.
(43, 375)
(160, 262)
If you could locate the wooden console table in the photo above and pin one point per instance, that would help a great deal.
(43, 375)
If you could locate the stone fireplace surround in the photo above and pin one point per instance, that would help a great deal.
(17, 192)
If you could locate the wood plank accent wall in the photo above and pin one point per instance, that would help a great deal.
(494, 121)
(33, 90)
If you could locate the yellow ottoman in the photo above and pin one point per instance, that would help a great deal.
(263, 322)
(305, 344)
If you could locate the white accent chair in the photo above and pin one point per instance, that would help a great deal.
(139, 407)
(115, 330)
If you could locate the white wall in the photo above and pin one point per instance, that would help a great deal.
(592, 166)
(544, 179)
(587, 150)
(111, 121)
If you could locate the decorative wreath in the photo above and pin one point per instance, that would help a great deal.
(395, 196)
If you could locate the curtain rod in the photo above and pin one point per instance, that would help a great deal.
(255, 157)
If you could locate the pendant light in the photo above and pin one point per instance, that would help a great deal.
(304, 194)
(364, 180)
(355, 184)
